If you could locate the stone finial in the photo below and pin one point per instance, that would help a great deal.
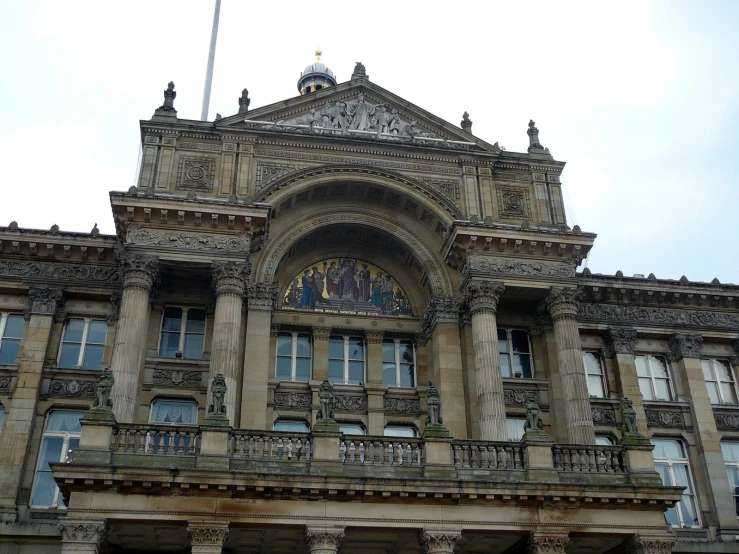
(218, 396)
(326, 402)
(652, 277)
(54, 228)
(628, 417)
(244, 101)
(586, 272)
(466, 123)
(576, 229)
(168, 106)
(715, 281)
(13, 226)
(218, 116)
(534, 144)
(684, 279)
(619, 274)
(433, 403)
(359, 72)
(95, 231)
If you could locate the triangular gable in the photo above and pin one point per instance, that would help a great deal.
(359, 109)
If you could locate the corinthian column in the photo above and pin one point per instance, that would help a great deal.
(439, 541)
(81, 536)
(324, 540)
(562, 306)
(129, 348)
(229, 282)
(482, 297)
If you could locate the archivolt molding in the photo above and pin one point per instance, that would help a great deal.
(277, 248)
(371, 174)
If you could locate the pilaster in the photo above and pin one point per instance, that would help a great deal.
(320, 353)
(620, 344)
(375, 386)
(324, 540)
(81, 536)
(207, 537)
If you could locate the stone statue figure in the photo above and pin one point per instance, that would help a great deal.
(410, 129)
(394, 126)
(326, 401)
(169, 96)
(102, 391)
(433, 404)
(533, 423)
(628, 415)
(360, 114)
(218, 396)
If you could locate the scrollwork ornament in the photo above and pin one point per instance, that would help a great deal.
(230, 277)
(658, 317)
(59, 272)
(684, 346)
(138, 271)
(293, 400)
(439, 542)
(483, 296)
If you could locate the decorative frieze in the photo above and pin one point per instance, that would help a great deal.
(348, 403)
(660, 317)
(58, 272)
(603, 415)
(402, 406)
(665, 418)
(726, 422)
(293, 400)
(520, 396)
(76, 388)
(177, 378)
(268, 172)
(183, 240)
(519, 268)
(447, 187)
(620, 341)
(684, 346)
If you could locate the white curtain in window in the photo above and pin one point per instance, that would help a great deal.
(184, 413)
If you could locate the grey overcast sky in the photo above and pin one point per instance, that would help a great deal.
(639, 98)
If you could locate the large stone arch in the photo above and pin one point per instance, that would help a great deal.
(275, 249)
(443, 206)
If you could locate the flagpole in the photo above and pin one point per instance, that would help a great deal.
(211, 61)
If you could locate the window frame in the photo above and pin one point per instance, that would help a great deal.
(717, 382)
(179, 400)
(603, 373)
(83, 342)
(652, 379)
(734, 491)
(509, 340)
(398, 363)
(689, 491)
(346, 359)
(3, 326)
(294, 355)
(183, 332)
(66, 436)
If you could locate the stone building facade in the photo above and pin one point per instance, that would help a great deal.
(340, 323)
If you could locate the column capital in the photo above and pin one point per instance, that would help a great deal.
(374, 337)
(44, 300)
(546, 543)
(83, 534)
(324, 540)
(261, 296)
(620, 341)
(562, 302)
(482, 296)
(207, 536)
(441, 310)
(683, 345)
(230, 277)
(649, 545)
(439, 541)
(138, 271)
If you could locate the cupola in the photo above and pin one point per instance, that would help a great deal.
(316, 76)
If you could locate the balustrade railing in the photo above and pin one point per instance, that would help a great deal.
(488, 455)
(156, 440)
(588, 458)
(394, 451)
(269, 445)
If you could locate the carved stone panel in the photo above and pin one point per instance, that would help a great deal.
(514, 202)
(603, 415)
(58, 272)
(478, 265)
(301, 400)
(347, 403)
(520, 396)
(268, 172)
(402, 406)
(664, 418)
(727, 422)
(177, 378)
(5, 382)
(182, 240)
(660, 317)
(72, 387)
(196, 173)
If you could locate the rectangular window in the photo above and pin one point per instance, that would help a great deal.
(60, 440)
(11, 330)
(515, 428)
(291, 426)
(351, 429)
(604, 441)
(83, 343)
(183, 333)
(398, 363)
(400, 431)
(730, 451)
(174, 412)
(293, 357)
(595, 372)
(719, 381)
(346, 360)
(654, 378)
(514, 349)
(673, 467)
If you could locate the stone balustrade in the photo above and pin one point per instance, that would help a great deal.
(488, 455)
(269, 445)
(589, 459)
(156, 440)
(386, 451)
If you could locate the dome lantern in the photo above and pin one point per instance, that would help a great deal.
(316, 76)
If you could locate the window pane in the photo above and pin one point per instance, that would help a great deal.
(398, 431)
(659, 367)
(349, 429)
(283, 368)
(2, 416)
(728, 394)
(592, 363)
(520, 340)
(336, 371)
(170, 344)
(712, 387)
(356, 349)
(730, 451)
(93, 356)
(45, 489)
(172, 320)
(595, 386)
(70, 354)
(9, 350)
(96, 333)
(641, 366)
(505, 365)
(284, 344)
(64, 421)
(515, 428)
(645, 386)
(671, 516)
(388, 351)
(14, 326)
(662, 389)
(73, 330)
(667, 449)
(302, 369)
(664, 473)
(522, 365)
(193, 346)
(604, 441)
(291, 426)
(502, 340)
(170, 411)
(388, 374)
(707, 373)
(356, 373)
(407, 377)
(406, 352)
(72, 447)
(51, 452)
(336, 348)
(723, 372)
(195, 321)
(303, 346)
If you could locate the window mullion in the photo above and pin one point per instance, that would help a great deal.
(3, 321)
(83, 342)
(293, 358)
(183, 328)
(397, 362)
(346, 360)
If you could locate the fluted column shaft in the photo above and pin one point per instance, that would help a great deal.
(562, 306)
(483, 304)
(229, 282)
(129, 348)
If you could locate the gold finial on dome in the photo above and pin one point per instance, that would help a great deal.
(318, 54)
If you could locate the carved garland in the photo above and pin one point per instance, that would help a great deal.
(402, 406)
(660, 317)
(45, 271)
(663, 418)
